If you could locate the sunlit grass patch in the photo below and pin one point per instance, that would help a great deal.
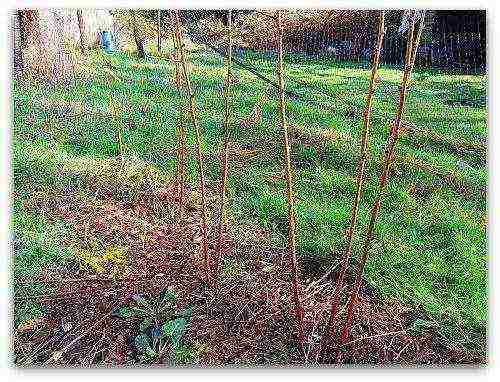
(430, 246)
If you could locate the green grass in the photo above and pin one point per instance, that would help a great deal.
(430, 248)
(37, 246)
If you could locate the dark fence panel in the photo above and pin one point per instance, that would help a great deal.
(452, 41)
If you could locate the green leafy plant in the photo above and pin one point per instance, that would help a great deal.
(160, 325)
(419, 326)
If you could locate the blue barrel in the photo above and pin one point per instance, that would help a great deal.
(107, 41)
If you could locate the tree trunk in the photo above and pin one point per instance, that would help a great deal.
(138, 41)
(18, 41)
(81, 27)
(159, 31)
(42, 44)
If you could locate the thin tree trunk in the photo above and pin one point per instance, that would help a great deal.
(31, 31)
(138, 41)
(159, 30)
(194, 120)
(299, 310)
(359, 185)
(225, 159)
(81, 27)
(417, 39)
(18, 42)
(389, 152)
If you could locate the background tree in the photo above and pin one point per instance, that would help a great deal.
(138, 40)
(81, 27)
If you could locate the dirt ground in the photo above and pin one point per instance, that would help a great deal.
(247, 320)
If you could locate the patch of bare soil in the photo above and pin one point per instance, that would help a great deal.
(247, 320)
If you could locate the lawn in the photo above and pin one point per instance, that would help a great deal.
(430, 245)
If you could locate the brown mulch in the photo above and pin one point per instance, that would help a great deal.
(247, 320)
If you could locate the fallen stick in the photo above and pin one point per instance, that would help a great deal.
(58, 354)
(395, 333)
(148, 277)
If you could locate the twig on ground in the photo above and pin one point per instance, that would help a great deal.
(58, 354)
